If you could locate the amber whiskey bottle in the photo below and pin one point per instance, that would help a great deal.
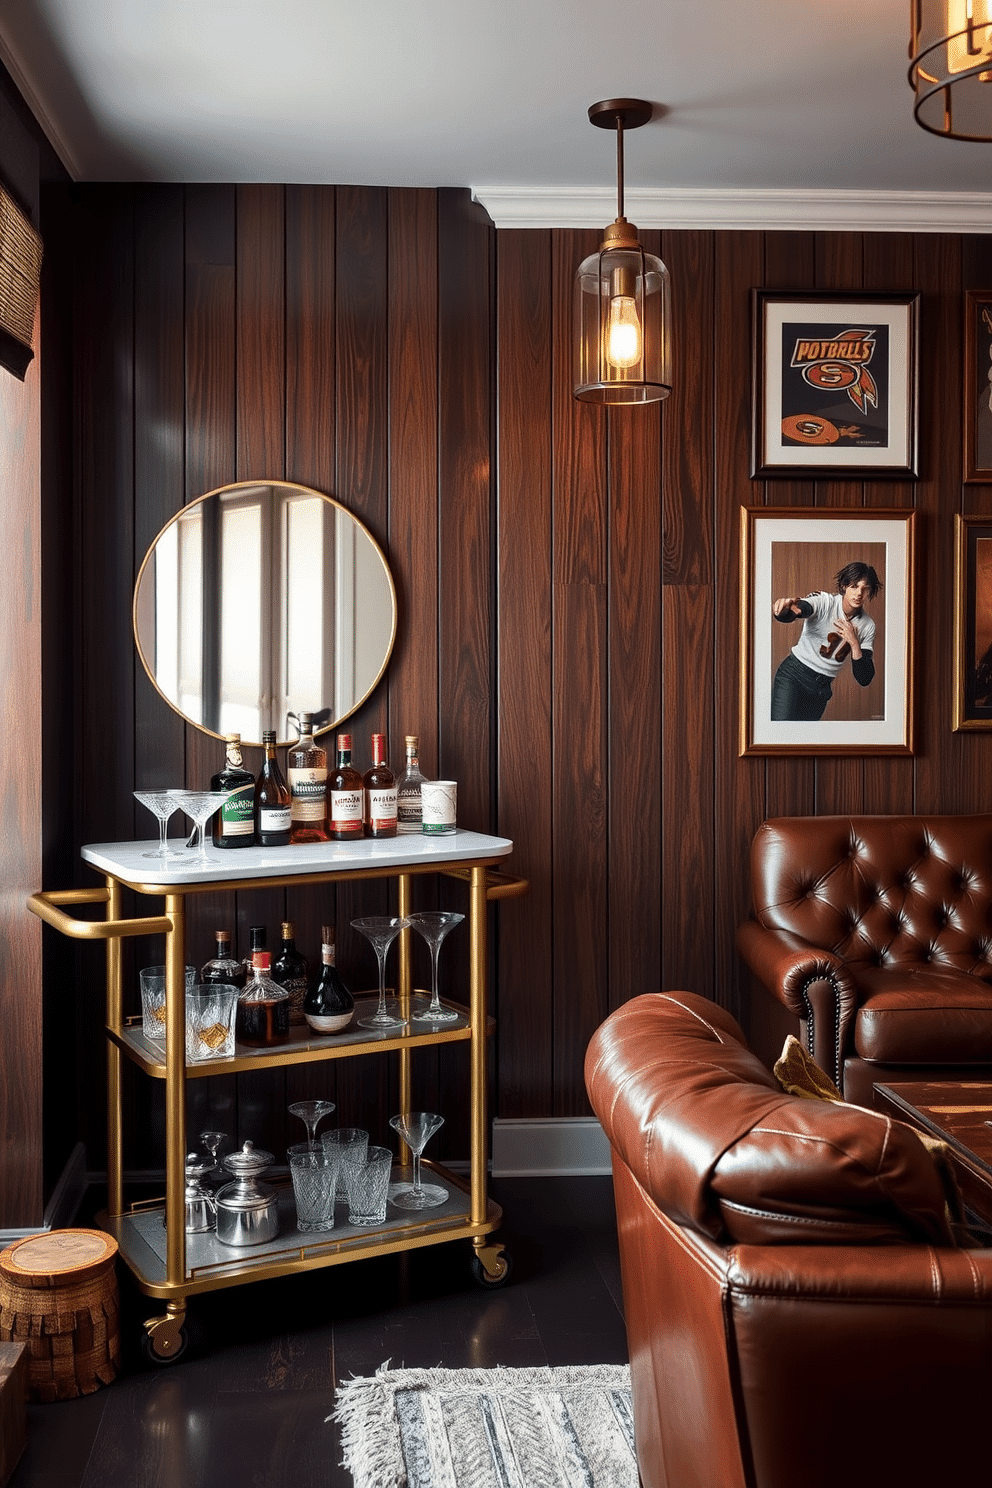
(380, 793)
(345, 796)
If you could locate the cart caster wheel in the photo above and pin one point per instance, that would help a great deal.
(498, 1271)
(164, 1340)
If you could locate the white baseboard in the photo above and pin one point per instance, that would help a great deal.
(63, 1206)
(550, 1147)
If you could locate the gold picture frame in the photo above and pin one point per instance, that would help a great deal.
(800, 553)
(972, 623)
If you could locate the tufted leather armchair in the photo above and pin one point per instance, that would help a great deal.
(798, 1314)
(876, 931)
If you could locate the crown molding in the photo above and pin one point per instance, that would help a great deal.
(36, 103)
(741, 211)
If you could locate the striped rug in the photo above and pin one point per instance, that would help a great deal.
(489, 1428)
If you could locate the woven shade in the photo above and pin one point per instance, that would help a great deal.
(20, 276)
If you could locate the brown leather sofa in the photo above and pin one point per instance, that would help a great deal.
(798, 1314)
(876, 931)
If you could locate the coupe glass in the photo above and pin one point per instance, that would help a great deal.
(416, 1128)
(433, 925)
(163, 804)
(381, 930)
(200, 807)
(311, 1113)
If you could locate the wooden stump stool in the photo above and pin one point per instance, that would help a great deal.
(58, 1294)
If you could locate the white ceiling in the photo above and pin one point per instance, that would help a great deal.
(768, 108)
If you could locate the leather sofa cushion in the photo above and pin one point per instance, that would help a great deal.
(709, 1134)
(923, 1016)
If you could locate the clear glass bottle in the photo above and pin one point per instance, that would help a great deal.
(345, 796)
(233, 825)
(408, 809)
(223, 968)
(380, 793)
(263, 1007)
(306, 766)
(329, 1005)
(257, 941)
(272, 798)
(292, 971)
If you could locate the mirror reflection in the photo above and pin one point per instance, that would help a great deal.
(260, 601)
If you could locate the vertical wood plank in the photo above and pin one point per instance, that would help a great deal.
(361, 483)
(688, 640)
(260, 336)
(739, 783)
(524, 668)
(579, 719)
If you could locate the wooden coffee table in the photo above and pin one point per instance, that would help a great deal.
(959, 1112)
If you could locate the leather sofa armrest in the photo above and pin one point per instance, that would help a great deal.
(811, 982)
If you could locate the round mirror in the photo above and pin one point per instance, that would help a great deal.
(260, 601)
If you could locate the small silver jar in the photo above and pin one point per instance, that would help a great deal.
(247, 1210)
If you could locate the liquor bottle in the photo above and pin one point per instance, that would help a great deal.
(306, 766)
(263, 1007)
(292, 971)
(329, 1005)
(272, 798)
(257, 941)
(345, 796)
(408, 813)
(223, 968)
(380, 793)
(233, 825)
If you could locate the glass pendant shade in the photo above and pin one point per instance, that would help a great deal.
(950, 67)
(622, 326)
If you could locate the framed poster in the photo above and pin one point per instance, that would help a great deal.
(978, 385)
(834, 387)
(973, 623)
(826, 630)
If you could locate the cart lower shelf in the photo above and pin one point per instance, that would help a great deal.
(141, 1236)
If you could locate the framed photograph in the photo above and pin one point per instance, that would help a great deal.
(826, 630)
(978, 385)
(973, 623)
(834, 384)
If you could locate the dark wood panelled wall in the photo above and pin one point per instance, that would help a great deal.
(568, 578)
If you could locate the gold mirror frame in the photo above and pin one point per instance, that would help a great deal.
(277, 613)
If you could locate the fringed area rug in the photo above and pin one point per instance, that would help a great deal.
(489, 1428)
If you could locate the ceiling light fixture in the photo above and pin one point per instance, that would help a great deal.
(622, 309)
(950, 68)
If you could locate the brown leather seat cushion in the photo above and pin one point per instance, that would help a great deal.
(923, 1015)
(716, 1143)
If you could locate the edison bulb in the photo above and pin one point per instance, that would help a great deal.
(969, 29)
(623, 336)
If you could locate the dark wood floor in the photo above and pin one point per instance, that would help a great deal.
(249, 1408)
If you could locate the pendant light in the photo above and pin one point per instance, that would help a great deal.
(622, 309)
(950, 67)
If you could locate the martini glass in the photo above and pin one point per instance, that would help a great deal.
(433, 925)
(200, 807)
(381, 930)
(416, 1129)
(311, 1113)
(163, 804)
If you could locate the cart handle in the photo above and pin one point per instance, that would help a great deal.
(498, 885)
(46, 907)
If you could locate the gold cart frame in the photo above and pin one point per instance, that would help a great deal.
(471, 857)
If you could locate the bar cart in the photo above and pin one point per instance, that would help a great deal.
(170, 1265)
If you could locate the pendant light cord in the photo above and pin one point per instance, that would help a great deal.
(619, 166)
